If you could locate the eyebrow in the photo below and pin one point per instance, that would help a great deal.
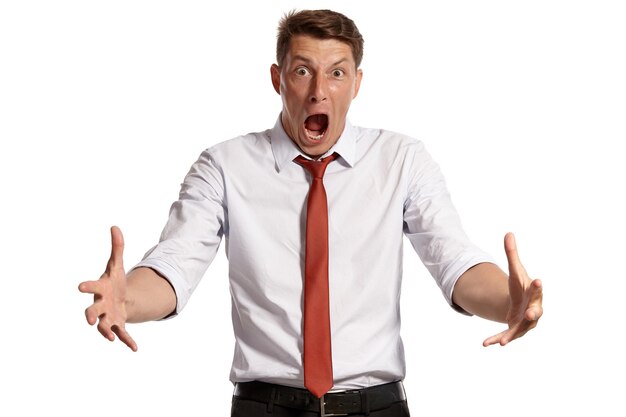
(308, 61)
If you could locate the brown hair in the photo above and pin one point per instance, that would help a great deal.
(320, 24)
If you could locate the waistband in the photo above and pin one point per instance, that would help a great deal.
(342, 403)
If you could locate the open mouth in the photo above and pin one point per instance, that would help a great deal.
(316, 125)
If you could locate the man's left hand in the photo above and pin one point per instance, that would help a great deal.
(526, 297)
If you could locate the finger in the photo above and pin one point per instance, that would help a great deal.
(104, 327)
(495, 339)
(93, 312)
(89, 287)
(533, 313)
(505, 337)
(535, 308)
(512, 256)
(517, 331)
(117, 249)
(123, 335)
(537, 289)
(511, 336)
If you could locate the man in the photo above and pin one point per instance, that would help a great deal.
(314, 211)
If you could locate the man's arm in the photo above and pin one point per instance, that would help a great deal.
(483, 290)
(486, 291)
(149, 296)
(142, 296)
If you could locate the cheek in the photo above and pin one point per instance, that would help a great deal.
(343, 104)
(296, 85)
(292, 93)
(343, 93)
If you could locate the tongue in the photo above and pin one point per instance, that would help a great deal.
(316, 123)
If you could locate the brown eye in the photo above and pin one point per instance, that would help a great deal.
(338, 73)
(302, 71)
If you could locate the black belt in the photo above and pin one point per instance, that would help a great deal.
(342, 403)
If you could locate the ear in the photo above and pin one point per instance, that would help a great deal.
(275, 72)
(357, 82)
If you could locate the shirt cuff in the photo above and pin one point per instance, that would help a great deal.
(453, 276)
(172, 276)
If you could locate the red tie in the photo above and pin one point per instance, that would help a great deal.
(318, 367)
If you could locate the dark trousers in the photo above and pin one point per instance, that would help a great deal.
(248, 408)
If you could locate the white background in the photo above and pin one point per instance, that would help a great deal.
(105, 105)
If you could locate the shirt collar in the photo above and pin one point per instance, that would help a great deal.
(285, 150)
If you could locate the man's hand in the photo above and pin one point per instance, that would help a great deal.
(525, 306)
(109, 295)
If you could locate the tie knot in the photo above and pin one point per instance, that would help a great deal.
(316, 168)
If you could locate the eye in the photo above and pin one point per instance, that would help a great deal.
(302, 71)
(338, 73)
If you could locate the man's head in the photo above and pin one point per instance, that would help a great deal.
(320, 24)
(317, 75)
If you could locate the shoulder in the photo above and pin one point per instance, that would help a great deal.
(387, 142)
(238, 150)
(253, 142)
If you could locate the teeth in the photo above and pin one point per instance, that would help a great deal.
(314, 137)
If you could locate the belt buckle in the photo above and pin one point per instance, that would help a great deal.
(323, 412)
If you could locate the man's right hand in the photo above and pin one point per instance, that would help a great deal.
(109, 295)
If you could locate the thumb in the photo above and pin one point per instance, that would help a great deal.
(510, 247)
(117, 249)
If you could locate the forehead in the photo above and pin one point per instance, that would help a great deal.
(308, 48)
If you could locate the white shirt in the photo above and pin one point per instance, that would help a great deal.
(250, 191)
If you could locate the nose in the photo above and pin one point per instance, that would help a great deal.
(319, 89)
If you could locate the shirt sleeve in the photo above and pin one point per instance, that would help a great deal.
(432, 224)
(193, 232)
